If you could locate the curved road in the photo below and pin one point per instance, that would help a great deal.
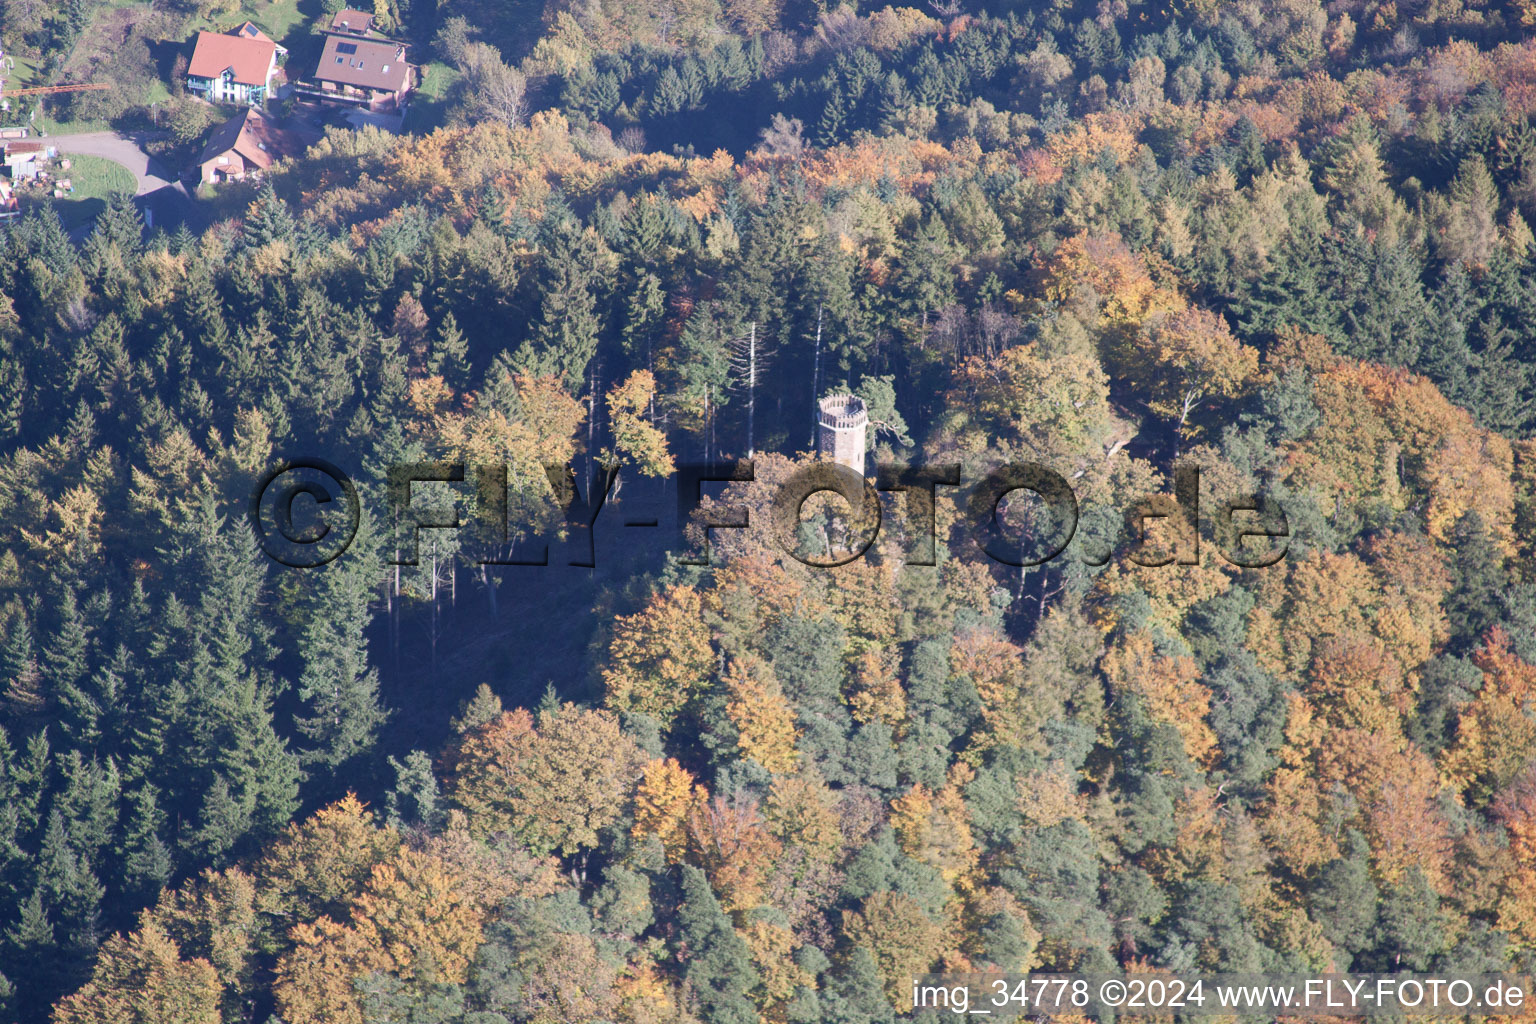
(163, 197)
(120, 149)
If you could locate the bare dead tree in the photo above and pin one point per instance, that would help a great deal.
(750, 356)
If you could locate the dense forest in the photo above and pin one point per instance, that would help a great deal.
(1284, 242)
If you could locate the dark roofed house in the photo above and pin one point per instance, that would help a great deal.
(234, 68)
(245, 143)
(357, 23)
(371, 73)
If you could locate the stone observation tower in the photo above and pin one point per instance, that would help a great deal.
(840, 431)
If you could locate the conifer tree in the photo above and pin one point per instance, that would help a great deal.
(855, 995)
(267, 220)
(449, 354)
(147, 860)
(25, 695)
(340, 689)
(719, 971)
(64, 662)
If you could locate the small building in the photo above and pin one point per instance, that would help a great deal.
(351, 22)
(233, 68)
(23, 160)
(249, 30)
(244, 144)
(370, 73)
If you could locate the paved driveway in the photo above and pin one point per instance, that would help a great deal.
(163, 199)
(120, 149)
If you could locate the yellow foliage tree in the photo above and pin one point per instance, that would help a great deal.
(313, 982)
(665, 795)
(659, 656)
(1190, 356)
(634, 436)
(935, 828)
(764, 720)
(553, 786)
(904, 940)
(1170, 686)
(415, 920)
(419, 912)
(772, 946)
(215, 919)
(141, 979)
(877, 692)
(316, 866)
(802, 811)
(996, 668)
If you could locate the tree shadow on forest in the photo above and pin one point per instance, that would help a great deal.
(541, 635)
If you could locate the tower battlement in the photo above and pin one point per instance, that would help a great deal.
(843, 423)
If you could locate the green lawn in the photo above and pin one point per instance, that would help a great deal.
(287, 21)
(23, 75)
(429, 104)
(95, 178)
(279, 19)
(47, 126)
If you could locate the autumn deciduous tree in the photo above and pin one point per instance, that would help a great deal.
(1025, 403)
(802, 811)
(877, 692)
(552, 786)
(1191, 356)
(216, 919)
(414, 920)
(764, 720)
(485, 766)
(141, 979)
(1495, 733)
(666, 794)
(1357, 684)
(317, 865)
(731, 842)
(315, 980)
(935, 828)
(659, 656)
(905, 941)
(1516, 810)
(1169, 685)
(773, 945)
(637, 440)
(1102, 280)
(420, 912)
(994, 667)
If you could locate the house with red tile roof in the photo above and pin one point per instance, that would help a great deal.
(246, 143)
(236, 67)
